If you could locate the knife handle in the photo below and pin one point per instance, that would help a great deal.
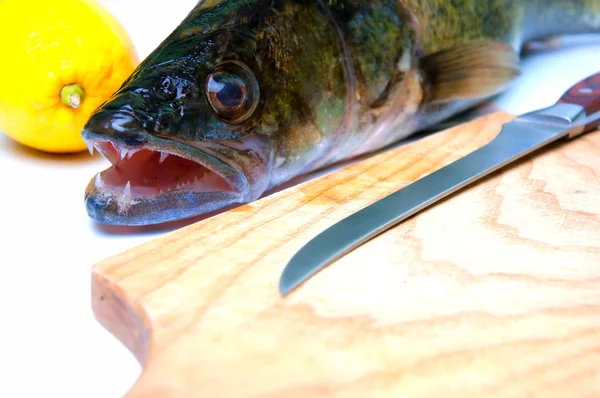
(586, 93)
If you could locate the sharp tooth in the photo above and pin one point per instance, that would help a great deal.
(98, 181)
(132, 152)
(124, 152)
(125, 201)
(90, 147)
(127, 192)
(163, 156)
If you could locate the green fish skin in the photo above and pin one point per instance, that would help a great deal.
(245, 95)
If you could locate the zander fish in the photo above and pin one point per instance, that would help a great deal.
(244, 95)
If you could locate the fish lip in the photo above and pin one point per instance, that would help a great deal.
(102, 206)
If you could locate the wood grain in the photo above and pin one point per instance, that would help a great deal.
(494, 292)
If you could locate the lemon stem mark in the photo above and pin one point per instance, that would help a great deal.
(72, 95)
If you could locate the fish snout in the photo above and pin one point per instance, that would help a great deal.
(120, 124)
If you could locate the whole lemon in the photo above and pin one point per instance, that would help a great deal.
(61, 59)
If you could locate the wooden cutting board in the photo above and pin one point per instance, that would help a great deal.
(494, 292)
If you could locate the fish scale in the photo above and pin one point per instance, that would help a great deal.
(321, 81)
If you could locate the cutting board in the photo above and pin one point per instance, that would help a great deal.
(493, 292)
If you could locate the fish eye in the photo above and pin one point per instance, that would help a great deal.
(232, 91)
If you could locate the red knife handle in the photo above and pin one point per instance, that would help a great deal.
(586, 93)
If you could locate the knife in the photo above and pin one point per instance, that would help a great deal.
(575, 113)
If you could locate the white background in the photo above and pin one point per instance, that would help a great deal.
(50, 342)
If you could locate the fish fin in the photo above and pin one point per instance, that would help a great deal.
(474, 70)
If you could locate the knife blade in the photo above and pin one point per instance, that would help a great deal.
(575, 113)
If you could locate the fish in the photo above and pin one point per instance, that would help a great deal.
(245, 95)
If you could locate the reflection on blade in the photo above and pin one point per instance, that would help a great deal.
(518, 138)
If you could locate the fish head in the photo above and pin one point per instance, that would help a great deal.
(188, 132)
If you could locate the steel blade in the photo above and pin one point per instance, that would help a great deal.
(518, 138)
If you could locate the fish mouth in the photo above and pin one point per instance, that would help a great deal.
(157, 181)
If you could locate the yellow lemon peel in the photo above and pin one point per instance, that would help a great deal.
(63, 60)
